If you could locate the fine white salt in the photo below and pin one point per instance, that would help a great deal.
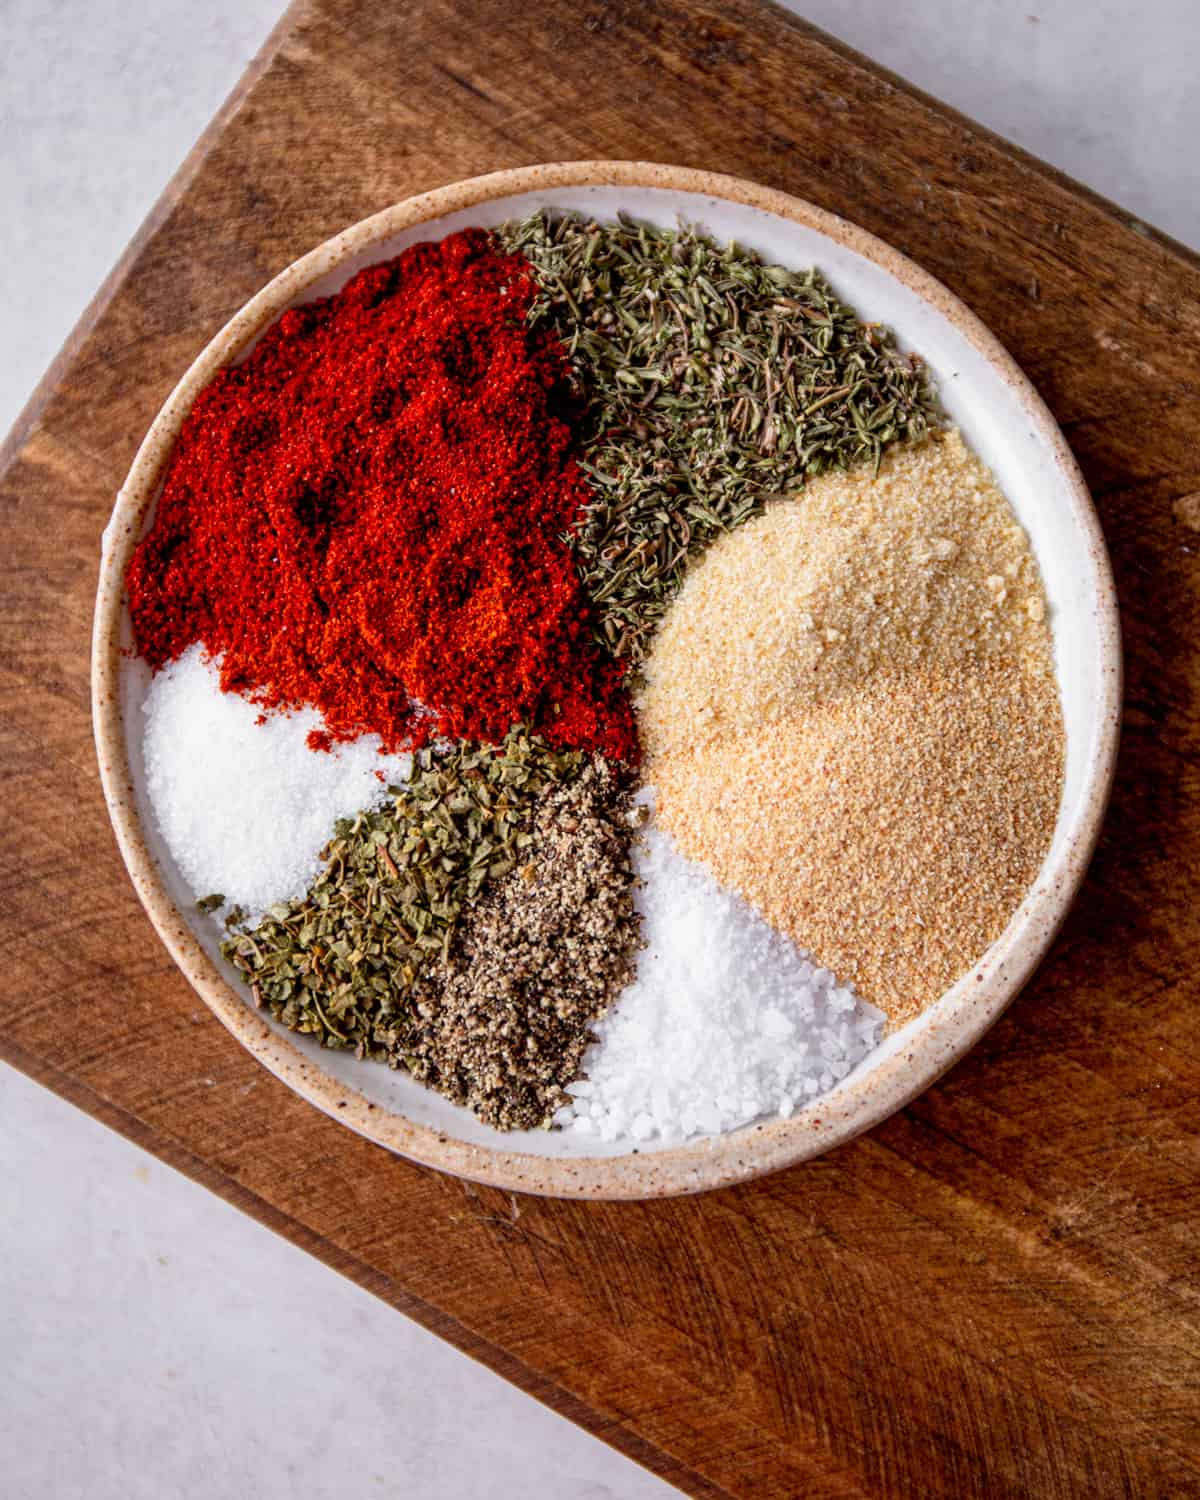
(725, 1022)
(245, 808)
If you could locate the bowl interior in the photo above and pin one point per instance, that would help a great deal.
(1007, 426)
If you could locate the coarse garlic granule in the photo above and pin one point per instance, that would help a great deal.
(851, 716)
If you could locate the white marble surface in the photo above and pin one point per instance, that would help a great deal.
(159, 1345)
(156, 1341)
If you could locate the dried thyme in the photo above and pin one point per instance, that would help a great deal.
(711, 381)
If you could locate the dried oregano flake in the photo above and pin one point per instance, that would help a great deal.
(370, 960)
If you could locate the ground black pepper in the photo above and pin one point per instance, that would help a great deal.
(537, 961)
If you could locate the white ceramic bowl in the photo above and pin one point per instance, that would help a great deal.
(1004, 420)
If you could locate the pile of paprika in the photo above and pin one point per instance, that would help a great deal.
(368, 515)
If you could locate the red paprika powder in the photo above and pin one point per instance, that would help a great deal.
(367, 515)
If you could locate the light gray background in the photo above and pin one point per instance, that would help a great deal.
(155, 1341)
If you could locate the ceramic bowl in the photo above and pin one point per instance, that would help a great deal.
(1004, 420)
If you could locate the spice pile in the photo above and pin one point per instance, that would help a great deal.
(516, 524)
(726, 1021)
(364, 516)
(710, 381)
(471, 930)
(542, 956)
(852, 719)
(244, 804)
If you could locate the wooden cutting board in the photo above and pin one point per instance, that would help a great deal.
(995, 1293)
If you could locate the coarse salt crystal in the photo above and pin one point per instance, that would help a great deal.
(726, 1021)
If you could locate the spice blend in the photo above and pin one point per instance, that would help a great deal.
(414, 557)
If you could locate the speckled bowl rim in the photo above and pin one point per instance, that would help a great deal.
(856, 1105)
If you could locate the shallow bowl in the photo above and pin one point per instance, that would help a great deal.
(1005, 421)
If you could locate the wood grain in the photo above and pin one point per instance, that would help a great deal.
(993, 1295)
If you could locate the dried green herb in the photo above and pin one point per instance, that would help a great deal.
(710, 382)
(368, 958)
(343, 959)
